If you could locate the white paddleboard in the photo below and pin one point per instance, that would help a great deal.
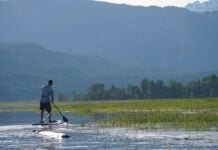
(48, 123)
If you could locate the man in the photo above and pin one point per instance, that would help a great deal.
(47, 97)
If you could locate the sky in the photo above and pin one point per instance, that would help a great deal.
(160, 3)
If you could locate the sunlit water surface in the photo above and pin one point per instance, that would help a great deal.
(16, 133)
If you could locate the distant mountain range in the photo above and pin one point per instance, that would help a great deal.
(151, 38)
(25, 67)
(91, 41)
(208, 6)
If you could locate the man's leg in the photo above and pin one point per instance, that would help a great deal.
(49, 116)
(42, 112)
(41, 116)
(48, 108)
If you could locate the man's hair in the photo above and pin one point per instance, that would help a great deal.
(50, 82)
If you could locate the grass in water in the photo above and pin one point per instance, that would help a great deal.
(200, 114)
(165, 119)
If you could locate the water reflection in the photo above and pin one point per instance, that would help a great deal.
(93, 137)
(49, 143)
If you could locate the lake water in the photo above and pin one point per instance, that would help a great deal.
(16, 133)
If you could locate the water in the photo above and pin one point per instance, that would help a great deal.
(16, 133)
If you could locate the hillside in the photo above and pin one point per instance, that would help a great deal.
(35, 59)
(88, 42)
(147, 37)
(25, 67)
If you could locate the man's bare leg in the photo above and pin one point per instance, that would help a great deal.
(42, 112)
(49, 116)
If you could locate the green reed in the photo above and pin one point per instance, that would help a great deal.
(165, 119)
(167, 113)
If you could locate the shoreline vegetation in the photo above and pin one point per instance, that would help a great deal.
(187, 114)
(150, 89)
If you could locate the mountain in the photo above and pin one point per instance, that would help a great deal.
(146, 37)
(88, 42)
(25, 67)
(34, 59)
(208, 6)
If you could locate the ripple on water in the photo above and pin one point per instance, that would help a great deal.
(92, 137)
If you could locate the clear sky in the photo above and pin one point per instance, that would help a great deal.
(160, 3)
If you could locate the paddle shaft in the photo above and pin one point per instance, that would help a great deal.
(64, 118)
(58, 109)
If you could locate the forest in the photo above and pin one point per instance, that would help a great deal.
(150, 89)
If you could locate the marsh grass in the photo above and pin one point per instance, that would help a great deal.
(165, 119)
(199, 114)
(195, 114)
(140, 105)
(18, 106)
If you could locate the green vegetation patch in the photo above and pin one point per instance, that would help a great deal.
(141, 105)
(165, 119)
(174, 113)
(197, 114)
(18, 106)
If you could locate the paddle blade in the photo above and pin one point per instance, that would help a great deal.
(65, 119)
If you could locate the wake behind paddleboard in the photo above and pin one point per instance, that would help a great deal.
(51, 134)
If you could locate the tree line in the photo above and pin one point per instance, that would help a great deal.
(150, 89)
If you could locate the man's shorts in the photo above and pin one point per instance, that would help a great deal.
(45, 106)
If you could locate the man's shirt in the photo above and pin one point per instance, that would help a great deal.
(47, 94)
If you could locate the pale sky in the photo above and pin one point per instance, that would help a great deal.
(160, 3)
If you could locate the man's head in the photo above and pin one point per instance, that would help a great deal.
(50, 82)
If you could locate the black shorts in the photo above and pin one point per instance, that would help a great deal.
(45, 106)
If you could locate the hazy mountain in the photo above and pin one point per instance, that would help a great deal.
(34, 59)
(208, 6)
(100, 41)
(152, 38)
(155, 38)
(25, 67)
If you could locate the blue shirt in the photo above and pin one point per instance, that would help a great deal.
(47, 94)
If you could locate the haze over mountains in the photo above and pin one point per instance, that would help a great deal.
(119, 41)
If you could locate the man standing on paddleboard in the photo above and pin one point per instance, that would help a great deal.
(47, 97)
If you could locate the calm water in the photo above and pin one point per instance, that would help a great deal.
(16, 133)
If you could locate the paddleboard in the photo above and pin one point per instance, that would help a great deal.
(47, 123)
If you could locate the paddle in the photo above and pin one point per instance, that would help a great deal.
(64, 118)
